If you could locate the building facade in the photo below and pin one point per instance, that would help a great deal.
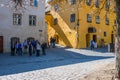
(75, 22)
(26, 23)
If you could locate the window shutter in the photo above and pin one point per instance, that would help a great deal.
(35, 3)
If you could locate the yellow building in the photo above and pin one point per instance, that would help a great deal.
(75, 22)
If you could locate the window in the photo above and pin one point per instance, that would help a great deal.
(89, 18)
(32, 20)
(107, 6)
(91, 30)
(88, 2)
(107, 21)
(55, 21)
(73, 1)
(17, 19)
(17, 2)
(72, 18)
(56, 7)
(97, 19)
(105, 34)
(97, 3)
(34, 3)
(30, 39)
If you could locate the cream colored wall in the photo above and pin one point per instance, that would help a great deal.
(23, 31)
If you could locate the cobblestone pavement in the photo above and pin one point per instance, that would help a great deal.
(58, 64)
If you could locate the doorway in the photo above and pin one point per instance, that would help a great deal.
(56, 38)
(1, 44)
(94, 38)
(87, 40)
(112, 38)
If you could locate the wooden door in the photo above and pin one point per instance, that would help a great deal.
(1, 44)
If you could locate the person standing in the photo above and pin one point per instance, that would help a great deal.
(19, 49)
(34, 46)
(51, 42)
(44, 46)
(25, 46)
(30, 48)
(38, 47)
(12, 48)
(92, 44)
(54, 41)
(16, 47)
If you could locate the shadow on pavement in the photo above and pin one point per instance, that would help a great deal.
(55, 57)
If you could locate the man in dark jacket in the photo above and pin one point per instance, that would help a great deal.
(44, 46)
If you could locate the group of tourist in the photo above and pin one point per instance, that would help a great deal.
(31, 47)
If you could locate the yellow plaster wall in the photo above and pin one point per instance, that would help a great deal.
(67, 30)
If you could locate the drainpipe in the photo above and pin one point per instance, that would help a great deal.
(77, 26)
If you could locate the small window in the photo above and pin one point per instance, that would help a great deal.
(17, 19)
(97, 19)
(73, 1)
(89, 18)
(32, 20)
(97, 3)
(91, 30)
(72, 18)
(55, 21)
(34, 3)
(56, 7)
(107, 6)
(105, 34)
(107, 21)
(88, 2)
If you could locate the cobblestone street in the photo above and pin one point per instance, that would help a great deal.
(58, 64)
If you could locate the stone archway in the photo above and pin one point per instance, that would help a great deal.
(14, 40)
(30, 39)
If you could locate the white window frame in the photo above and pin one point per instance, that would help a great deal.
(32, 20)
(97, 19)
(89, 18)
(17, 19)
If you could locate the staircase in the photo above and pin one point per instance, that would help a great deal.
(63, 30)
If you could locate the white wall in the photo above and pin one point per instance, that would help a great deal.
(23, 31)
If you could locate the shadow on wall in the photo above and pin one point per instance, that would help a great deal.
(61, 33)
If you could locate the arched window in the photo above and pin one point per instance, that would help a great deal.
(14, 40)
(91, 30)
(30, 39)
